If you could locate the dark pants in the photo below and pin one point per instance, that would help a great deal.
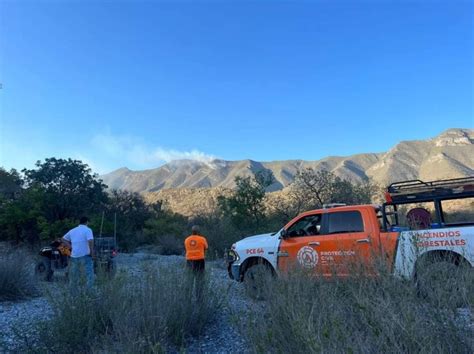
(197, 269)
(197, 266)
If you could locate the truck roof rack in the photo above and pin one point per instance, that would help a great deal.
(417, 191)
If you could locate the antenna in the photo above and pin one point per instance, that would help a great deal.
(101, 224)
(115, 229)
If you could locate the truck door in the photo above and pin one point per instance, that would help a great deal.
(349, 245)
(302, 245)
(340, 244)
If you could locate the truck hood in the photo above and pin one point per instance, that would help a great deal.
(254, 240)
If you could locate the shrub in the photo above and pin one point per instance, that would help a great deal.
(219, 232)
(17, 280)
(303, 313)
(134, 314)
(167, 307)
(245, 207)
(169, 245)
(167, 231)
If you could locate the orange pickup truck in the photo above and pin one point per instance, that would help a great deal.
(331, 239)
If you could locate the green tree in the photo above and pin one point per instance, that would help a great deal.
(70, 188)
(167, 231)
(131, 209)
(245, 207)
(49, 200)
(19, 217)
(10, 183)
(132, 214)
(219, 231)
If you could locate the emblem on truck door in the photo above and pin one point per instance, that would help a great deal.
(307, 257)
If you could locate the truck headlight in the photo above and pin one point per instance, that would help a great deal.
(232, 256)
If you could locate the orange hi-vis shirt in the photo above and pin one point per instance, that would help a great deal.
(195, 246)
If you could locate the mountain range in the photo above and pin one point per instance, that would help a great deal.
(448, 155)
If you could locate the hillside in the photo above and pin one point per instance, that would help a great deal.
(448, 155)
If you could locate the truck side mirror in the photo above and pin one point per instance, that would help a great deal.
(283, 234)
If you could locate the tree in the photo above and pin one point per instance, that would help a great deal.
(20, 217)
(316, 185)
(130, 206)
(246, 206)
(70, 188)
(10, 183)
(368, 192)
(324, 187)
(132, 213)
(167, 231)
(288, 203)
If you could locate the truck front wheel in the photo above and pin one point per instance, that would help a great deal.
(257, 279)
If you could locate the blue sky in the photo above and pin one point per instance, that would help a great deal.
(137, 84)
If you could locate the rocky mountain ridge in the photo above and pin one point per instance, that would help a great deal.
(448, 155)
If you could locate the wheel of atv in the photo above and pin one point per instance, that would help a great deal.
(111, 268)
(439, 279)
(256, 280)
(43, 270)
(104, 268)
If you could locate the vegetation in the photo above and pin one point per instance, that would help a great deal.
(161, 308)
(68, 188)
(10, 183)
(130, 314)
(312, 189)
(52, 197)
(246, 208)
(17, 280)
(307, 314)
(324, 187)
(41, 204)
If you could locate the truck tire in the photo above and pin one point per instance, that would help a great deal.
(256, 280)
(444, 280)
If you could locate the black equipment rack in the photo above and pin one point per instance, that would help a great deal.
(417, 191)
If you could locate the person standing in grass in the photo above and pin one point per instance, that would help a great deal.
(196, 247)
(81, 241)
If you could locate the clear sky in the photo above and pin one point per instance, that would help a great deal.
(137, 83)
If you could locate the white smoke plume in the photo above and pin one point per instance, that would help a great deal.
(133, 152)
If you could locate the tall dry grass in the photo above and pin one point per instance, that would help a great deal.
(17, 280)
(304, 313)
(147, 313)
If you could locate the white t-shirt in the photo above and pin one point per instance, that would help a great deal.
(79, 238)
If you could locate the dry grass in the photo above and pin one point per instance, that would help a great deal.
(304, 313)
(17, 280)
(147, 314)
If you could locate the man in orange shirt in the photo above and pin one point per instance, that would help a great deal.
(196, 246)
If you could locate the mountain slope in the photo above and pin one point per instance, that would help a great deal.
(449, 155)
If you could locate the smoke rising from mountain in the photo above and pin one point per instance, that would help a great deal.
(132, 151)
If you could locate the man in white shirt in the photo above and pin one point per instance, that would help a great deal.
(81, 241)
